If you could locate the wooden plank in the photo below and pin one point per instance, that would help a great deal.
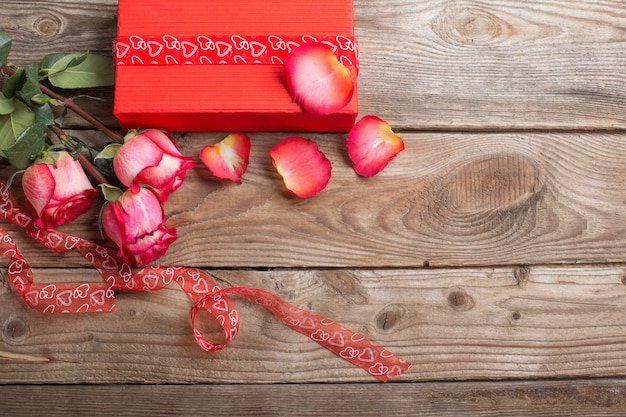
(452, 324)
(447, 200)
(493, 65)
(606, 397)
(429, 64)
(44, 27)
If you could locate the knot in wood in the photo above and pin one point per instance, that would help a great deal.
(15, 330)
(346, 286)
(389, 316)
(497, 195)
(460, 300)
(47, 25)
(521, 275)
(495, 182)
(470, 25)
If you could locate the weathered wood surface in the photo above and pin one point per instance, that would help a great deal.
(452, 199)
(545, 398)
(429, 64)
(453, 324)
(511, 189)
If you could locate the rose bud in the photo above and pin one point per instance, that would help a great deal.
(135, 223)
(151, 158)
(57, 189)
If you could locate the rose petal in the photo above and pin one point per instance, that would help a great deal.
(229, 158)
(317, 81)
(38, 184)
(57, 189)
(371, 145)
(304, 168)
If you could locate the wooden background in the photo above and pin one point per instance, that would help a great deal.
(490, 253)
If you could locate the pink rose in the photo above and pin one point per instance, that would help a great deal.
(135, 223)
(152, 158)
(57, 189)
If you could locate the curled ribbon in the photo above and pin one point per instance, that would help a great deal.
(197, 284)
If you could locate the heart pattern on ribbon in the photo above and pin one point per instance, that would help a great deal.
(202, 289)
(227, 49)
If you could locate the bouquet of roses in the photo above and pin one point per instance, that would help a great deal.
(137, 172)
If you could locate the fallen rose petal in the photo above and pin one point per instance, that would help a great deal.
(229, 158)
(371, 145)
(304, 168)
(317, 81)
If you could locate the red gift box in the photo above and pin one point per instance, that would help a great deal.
(192, 65)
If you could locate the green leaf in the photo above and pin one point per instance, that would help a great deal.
(76, 60)
(31, 142)
(31, 86)
(93, 71)
(43, 114)
(40, 98)
(131, 134)
(5, 46)
(109, 151)
(60, 62)
(110, 192)
(7, 105)
(103, 160)
(48, 61)
(12, 125)
(14, 83)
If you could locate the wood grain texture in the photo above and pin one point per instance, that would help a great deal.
(489, 252)
(447, 200)
(604, 397)
(42, 27)
(430, 64)
(497, 64)
(452, 324)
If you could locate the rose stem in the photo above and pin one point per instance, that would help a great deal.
(89, 168)
(71, 105)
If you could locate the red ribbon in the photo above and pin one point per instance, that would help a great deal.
(225, 49)
(197, 284)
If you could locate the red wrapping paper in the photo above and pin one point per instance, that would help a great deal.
(238, 86)
(197, 284)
